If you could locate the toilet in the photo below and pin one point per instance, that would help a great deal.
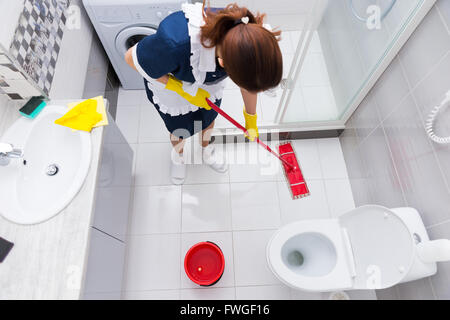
(371, 247)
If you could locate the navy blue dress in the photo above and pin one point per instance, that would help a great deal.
(169, 51)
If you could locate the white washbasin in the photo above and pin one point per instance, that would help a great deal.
(28, 195)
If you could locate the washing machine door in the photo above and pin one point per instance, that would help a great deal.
(130, 36)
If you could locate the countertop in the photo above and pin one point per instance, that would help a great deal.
(48, 260)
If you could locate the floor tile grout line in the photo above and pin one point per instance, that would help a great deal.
(323, 175)
(441, 16)
(279, 203)
(232, 237)
(433, 291)
(198, 232)
(181, 234)
(437, 224)
(391, 157)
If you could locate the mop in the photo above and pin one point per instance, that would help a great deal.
(291, 168)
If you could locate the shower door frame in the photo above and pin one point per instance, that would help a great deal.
(397, 43)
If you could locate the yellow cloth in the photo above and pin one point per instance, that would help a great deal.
(83, 116)
(251, 126)
(100, 109)
(199, 100)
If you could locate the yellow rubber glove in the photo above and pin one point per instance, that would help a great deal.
(251, 126)
(199, 100)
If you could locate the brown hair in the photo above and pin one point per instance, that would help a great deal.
(251, 54)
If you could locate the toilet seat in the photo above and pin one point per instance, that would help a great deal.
(339, 276)
(382, 245)
(367, 248)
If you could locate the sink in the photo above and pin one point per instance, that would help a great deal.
(54, 167)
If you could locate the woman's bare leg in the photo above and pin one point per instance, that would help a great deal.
(205, 136)
(177, 143)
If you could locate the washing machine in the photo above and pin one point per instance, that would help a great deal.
(120, 24)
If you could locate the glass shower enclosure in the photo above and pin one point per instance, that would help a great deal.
(343, 48)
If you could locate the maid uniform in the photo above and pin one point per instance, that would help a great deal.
(176, 49)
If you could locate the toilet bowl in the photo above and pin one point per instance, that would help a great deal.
(371, 247)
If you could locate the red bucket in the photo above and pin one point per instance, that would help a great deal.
(204, 263)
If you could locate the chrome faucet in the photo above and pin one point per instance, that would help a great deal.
(8, 152)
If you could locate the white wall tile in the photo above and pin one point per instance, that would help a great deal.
(423, 51)
(320, 103)
(441, 280)
(314, 71)
(71, 69)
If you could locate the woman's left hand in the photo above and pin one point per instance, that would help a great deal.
(250, 101)
(251, 126)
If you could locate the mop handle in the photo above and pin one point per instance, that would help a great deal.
(239, 126)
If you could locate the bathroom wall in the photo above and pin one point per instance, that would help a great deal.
(71, 69)
(87, 73)
(82, 75)
(9, 15)
(31, 40)
(3, 102)
(350, 49)
(285, 14)
(390, 159)
(37, 39)
(14, 81)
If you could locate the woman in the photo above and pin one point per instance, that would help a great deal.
(187, 61)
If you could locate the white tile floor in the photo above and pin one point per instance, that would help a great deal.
(238, 210)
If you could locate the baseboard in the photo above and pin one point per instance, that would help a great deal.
(280, 136)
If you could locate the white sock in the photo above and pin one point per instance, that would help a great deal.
(210, 158)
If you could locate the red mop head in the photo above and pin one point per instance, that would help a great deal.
(293, 174)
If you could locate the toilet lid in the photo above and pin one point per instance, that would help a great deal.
(382, 245)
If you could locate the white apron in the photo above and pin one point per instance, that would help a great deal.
(202, 59)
